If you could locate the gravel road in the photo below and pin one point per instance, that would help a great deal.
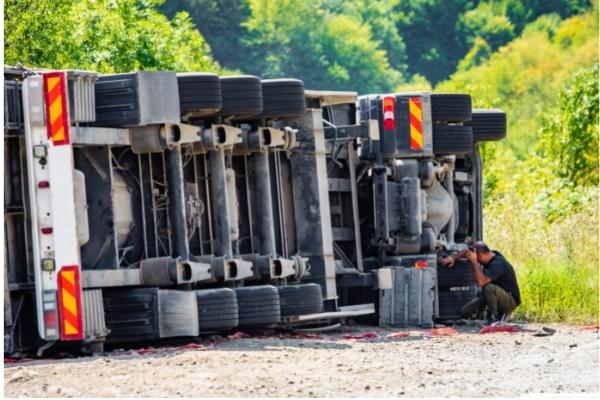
(331, 365)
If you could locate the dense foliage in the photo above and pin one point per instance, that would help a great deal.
(570, 132)
(408, 39)
(102, 35)
(363, 45)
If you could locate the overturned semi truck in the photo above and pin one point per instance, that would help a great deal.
(152, 205)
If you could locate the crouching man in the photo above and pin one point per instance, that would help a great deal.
(500, 293)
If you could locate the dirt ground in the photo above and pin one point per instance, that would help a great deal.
(330, 365)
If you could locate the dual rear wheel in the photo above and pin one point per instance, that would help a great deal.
(456, 126)
(240, 97)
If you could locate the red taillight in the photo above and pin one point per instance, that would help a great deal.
(389, 113)
(50, 318)
(46, 231)
(44, 184)
(421, 264)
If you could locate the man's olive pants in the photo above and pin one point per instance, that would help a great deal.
(497, 300)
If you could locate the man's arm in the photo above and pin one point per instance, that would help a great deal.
(450, 260)
(479, 277)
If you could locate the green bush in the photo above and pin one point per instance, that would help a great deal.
(556, 262)
(570, 132)
(558, 292)
(103, 35)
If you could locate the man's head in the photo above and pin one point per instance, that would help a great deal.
(484, 254)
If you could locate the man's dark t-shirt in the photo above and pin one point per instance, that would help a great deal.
(502, 274)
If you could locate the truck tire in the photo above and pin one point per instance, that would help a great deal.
(452, 139)
(300, 299)
(217, 310)
(459, 275)
(199, 94)
(450, 107)
(241, 96)
(488, 124)
(131, 314)
(283, 98)
(258, 306)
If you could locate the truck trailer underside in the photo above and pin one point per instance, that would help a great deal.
(151, 205)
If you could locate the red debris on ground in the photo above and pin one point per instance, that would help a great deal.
(366, 335)
(443, 331)
(499, 328)
(590, 327)
(152, 350)
(238, 335)
(8, 360)
(144, 351)
(191, 346)
(304, 336)
(396, 335)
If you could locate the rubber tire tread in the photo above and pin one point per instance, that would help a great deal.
(450, 107)
(258, 306)
(283, 98)
(488, 124)
(254, 303)
(218, 303)
(452, 139)
(199, 93)
(301, 299)
(242, 96)
(217, 309)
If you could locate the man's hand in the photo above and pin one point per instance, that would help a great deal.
(471, 256)
(447, 262)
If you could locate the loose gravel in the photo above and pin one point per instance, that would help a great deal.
(467, 364)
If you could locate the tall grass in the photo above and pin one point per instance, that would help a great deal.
(556, 262)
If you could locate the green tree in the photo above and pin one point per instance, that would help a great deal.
(570, 131)
(431, 30)
(103, 35)
(37, 33)
(521, 12)
(380, 17)
(479, 53)
(220, 22)
(439, 33)
(357, 63)
(299, 39)
(525, 76)
(487, 23)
